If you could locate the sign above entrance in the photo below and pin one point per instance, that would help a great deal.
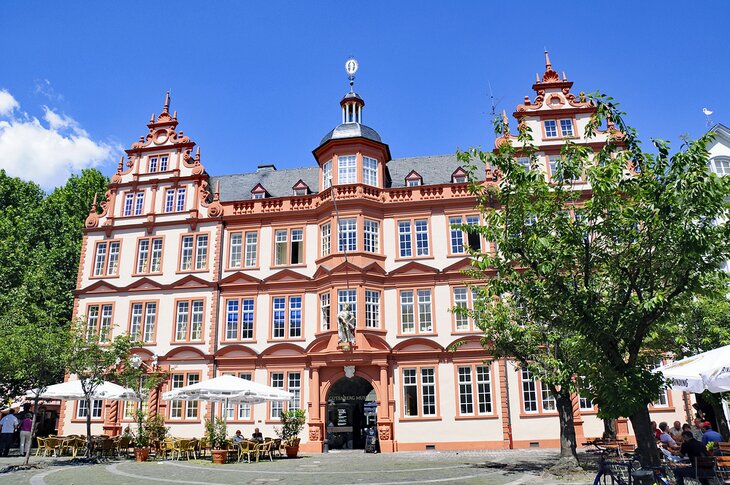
(349, 371)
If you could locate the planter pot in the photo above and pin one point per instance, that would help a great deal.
(141, 454)
(219, 456)
(291, 451)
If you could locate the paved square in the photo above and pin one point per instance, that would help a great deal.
(500, 467)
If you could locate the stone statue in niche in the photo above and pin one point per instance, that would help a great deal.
(346, 325)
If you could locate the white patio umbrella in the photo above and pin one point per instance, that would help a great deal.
(72, 391)
(706, 371)
(227, 387)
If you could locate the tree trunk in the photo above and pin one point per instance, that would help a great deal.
(609, 428)
(645, 438)
(567, 427)
(88, 427)
(32, 427)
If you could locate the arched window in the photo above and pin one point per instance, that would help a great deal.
(720, 165)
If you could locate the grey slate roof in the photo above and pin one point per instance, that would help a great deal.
(351, 130)
(434, 169)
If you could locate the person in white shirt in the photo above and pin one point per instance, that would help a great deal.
(8, 425)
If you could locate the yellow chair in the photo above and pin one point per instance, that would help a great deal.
(247, 448)
(177, 448)
(265, 449)
(41, 445)
(203, 445)
(167, 446)
(190, 447)
(53, 445)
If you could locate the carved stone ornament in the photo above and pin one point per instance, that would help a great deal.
(384, 432)
(349, 371)
(314, 433)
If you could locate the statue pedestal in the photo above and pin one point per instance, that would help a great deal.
(345, 346)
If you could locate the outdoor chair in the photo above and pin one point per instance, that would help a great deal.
(52, 445)
(247, 448)
(203, 445)
(277, 447)
(105, 447)
(167, 447)
(41, 445)
(722, 469)
(265, 449)
(177, 448)
(123, 445)
(723, 448)
(190, 447)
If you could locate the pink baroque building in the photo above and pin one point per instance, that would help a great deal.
(246, 274)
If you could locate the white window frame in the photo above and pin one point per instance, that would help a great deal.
(346, 169)
(371, 236)
(372, 308)
(369, 171)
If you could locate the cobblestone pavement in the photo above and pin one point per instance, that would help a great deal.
(501, 467)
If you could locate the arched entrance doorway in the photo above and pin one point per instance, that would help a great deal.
(351, 410)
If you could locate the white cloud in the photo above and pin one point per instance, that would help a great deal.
(49, 152)
(44, 88)
(8, 104)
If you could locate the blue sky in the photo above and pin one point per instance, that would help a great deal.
(260, 82)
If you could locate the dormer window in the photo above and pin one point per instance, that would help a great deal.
(566, 127)
(369, 171)
(327, 175)
(300, 188)
(551, 129)
(459, 176)
(413, 179)
(259, 192)
(721, 166)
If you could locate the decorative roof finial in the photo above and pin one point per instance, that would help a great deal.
(120, 165)
(166, 108)
(197, 154)
(548, 66)
(505, 123)
(216, 195)
(351, 66)
(93, 204)
(565, 78)
(537, 78)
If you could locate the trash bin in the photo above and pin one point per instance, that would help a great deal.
(642, 477)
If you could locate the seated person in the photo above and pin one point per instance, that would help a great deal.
(238, 437)
(693, 449)
(654, 429)
(665, 438)
(676, 431)
(257, 436)
(709, 434)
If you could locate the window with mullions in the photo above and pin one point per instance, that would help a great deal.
(548, 401)
(239, 316)
(347, 240)
(325, 309)
(197, 259)
(99, 322)
(143, 320)
(371, 236)
(419, 385)
(149, 255)
(458, 238)
(277, 407)
(720, 166)
(551, 128)
(566, 128)
(585, 403)
(325, 238)
(235, 250)
(97, 405)
(327, 175)
(189, 320)
(106, 260)
(344, 297)
(133, 203)
(158, 164)
(239, 412)
(408, 245)
(131, 408)
(463, 298)
(372, 309)
(183, 409)
(369, 171)
(284, 253)
(346, 169)
(286, 317)
(555, 162)
(525, 163)
(529, 393)
(474, 387)
(416, 316)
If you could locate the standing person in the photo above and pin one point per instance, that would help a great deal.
(26, 432)
(709, 434)
(697, 429)
(8, 425)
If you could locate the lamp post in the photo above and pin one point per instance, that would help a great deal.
(136, 362)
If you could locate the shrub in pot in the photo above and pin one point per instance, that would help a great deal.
(292, 424)
(217, 433)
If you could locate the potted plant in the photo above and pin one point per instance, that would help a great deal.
(218, 438)
(141, 440)
(292, 424)
(711, 445)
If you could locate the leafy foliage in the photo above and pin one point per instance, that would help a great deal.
(292, 424)
(602, 272)
(217, 432)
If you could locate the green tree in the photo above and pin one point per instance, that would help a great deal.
(93, 362)
(30, 360)
(512, 331)
(610, 268)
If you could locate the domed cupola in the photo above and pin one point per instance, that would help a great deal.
(352, 152)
